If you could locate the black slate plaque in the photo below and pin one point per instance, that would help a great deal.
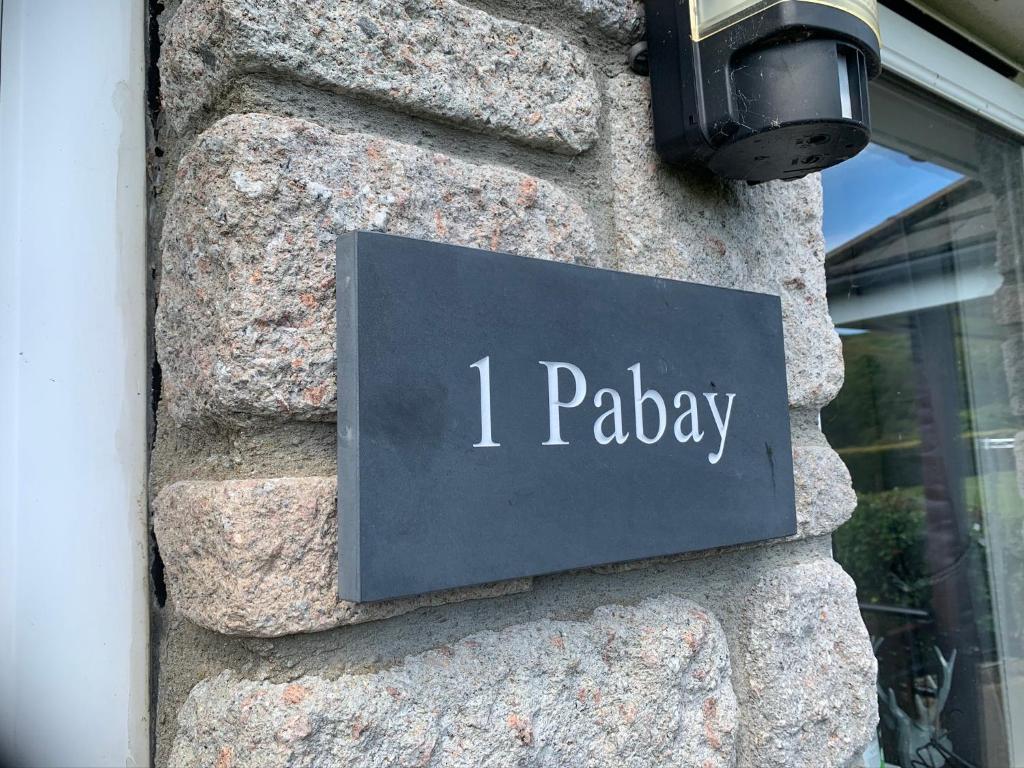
(470, 445)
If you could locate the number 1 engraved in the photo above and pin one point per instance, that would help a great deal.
(483, 365)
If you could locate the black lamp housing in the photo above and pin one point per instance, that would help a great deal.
(776, 90)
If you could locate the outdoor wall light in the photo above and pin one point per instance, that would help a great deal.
(761, 89)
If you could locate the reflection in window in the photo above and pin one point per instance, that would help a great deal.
(924, 232)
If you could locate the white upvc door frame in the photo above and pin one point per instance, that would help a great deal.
(74, 590)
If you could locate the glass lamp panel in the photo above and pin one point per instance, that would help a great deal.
(710, 16)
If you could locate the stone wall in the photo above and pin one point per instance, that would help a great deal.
(1004, 181)
(503, 125)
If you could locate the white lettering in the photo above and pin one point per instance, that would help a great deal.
(723, 426)
(608, 426)
(483, 365)
(690, 413)
(616, 413)
(638, 407)
(554, 422)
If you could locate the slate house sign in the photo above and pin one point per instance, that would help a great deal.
(501, 417)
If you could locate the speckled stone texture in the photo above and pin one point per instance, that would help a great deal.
(1013, 362)
(1009, 303)
(245, 324)
(809, 694)
(439, 120)
(260, 558)
(631, 687)
(623, 20)
(431, 57)
(824, 491)
(688, 226)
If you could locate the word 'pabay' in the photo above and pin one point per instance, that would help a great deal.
(609, 425)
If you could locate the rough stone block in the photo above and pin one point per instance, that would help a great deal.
(621, 19)
(689, 226)
(1005, 212)
(436, 58)
(260, 558)
(1007, 303)
(809, 697)
(1013, 362)
(824, 491)
(245, 323)
(631, 687)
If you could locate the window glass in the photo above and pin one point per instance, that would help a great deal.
(924, 268)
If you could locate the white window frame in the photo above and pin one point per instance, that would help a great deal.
(922, 59)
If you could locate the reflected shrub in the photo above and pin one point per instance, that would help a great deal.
(883, 548)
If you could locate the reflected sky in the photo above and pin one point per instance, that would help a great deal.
(874, 186)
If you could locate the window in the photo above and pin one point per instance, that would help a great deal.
(924, 232)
